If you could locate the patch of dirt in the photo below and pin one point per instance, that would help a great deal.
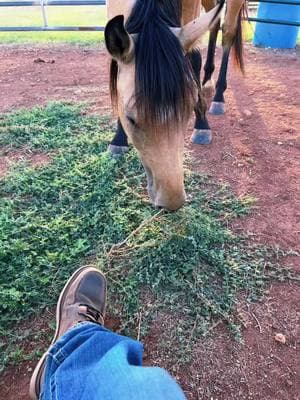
(256, 144)
(10, 158)
(14, 381)
(256, 150)
(260, 368)
(74, 74)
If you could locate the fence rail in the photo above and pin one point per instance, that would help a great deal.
(52, 29)
(287, 2)
(273, 21)
(45, 27)
(26, 3)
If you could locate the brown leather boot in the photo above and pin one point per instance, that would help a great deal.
(82, 299)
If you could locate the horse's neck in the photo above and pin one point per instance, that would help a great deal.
(119, 7)
(190, 10)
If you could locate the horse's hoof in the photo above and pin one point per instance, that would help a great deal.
(217, 108)
(201, 136)
(117, 151)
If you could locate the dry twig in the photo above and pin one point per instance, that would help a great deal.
(134, 232)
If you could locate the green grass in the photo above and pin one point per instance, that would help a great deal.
(84, 204)
(57, 16)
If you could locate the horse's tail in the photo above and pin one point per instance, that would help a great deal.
(238, 39)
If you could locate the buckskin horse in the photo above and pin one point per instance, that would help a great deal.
(155, 85)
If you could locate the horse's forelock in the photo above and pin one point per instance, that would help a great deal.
(164, 79)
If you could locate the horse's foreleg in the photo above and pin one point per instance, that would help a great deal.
(202, 132)
(119, 144)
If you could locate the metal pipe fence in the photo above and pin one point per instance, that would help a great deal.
(273, 21)
(45, 3)
(26, 3)
(45, 27)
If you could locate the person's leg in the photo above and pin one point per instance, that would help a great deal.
(86, 361)
(82, 299)
(90, 362)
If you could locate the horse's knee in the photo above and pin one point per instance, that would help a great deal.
(208, 90)
(228, 34)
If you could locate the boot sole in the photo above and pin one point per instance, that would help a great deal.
(34, 387)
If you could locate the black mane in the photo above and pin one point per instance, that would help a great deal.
(168, 12)
(164, 79)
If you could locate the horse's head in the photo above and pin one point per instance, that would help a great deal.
(154, 91)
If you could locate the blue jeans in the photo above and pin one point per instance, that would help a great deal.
(91, 363)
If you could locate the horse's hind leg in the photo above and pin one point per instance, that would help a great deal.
(209, 66)
(210, 60)
(232, 36)
(202, 132)
(217, 106)
(119, 144)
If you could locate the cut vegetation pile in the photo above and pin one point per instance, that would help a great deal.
(84, 206)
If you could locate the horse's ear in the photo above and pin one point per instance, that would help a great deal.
(118, 41)
(190, 33)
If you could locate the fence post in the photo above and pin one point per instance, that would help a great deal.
(44, 13)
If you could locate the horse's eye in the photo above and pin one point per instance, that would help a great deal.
(131, 120)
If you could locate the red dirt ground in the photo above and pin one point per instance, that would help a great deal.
(256, 150)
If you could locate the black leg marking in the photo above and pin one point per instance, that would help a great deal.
(210, 59)
(119, 144)
(218, 105)
(202, 132)
(201, 122)
(120, 138)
